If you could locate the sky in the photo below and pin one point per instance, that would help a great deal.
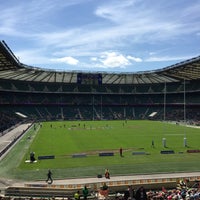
(101, 35)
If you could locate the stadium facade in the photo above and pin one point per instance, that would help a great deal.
(171, 93)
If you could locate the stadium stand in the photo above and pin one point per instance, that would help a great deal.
(164, 187)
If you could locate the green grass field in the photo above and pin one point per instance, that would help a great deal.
(65, 138)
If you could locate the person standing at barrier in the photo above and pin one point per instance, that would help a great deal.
(141, 194)
(103, 192)
(85, 192)
(104, 187)
(49, 177)
(131, 192)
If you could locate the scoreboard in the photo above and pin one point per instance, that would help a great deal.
(89, 78)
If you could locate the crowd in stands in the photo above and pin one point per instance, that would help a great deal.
(47, 113)
(53, 101)
(192, 116)
(77, 99)
(178, 193)
(7, 121)
(181, 192)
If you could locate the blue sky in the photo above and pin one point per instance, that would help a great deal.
(101, 35)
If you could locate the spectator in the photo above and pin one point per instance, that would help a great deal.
(104, 187)
(141, 194)
(131, 192)
(77, 195)
(85, 192)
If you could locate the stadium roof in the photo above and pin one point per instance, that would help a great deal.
(12, 69)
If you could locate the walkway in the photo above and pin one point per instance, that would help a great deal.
(115, 181)
(9, 137)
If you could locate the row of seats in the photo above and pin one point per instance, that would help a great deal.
(104, 88)
(97, 99)
(53, 112)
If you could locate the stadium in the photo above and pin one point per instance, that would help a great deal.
(87, 103)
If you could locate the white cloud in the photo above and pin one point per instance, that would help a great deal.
(113, 59)
(93, 59)
(68, 60)
(134, 59)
